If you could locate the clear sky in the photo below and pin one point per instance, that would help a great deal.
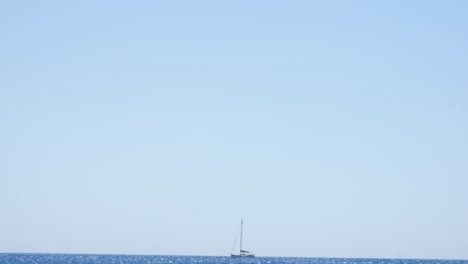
(334, 128)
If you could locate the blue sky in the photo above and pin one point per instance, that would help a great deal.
(334, 128)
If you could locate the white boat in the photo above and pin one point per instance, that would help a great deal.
(242, 252)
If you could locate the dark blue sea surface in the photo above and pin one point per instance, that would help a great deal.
(136, 259)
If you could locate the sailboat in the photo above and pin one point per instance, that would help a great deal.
(242, 253)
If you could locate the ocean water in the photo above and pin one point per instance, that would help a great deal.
(134, 259)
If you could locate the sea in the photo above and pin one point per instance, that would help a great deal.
(17, 258)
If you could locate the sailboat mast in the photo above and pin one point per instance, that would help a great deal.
(240, 247)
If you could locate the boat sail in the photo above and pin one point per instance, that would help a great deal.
(242, 252)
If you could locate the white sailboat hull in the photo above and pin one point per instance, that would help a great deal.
(248, 255)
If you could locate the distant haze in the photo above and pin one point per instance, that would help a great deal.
(333, 128)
